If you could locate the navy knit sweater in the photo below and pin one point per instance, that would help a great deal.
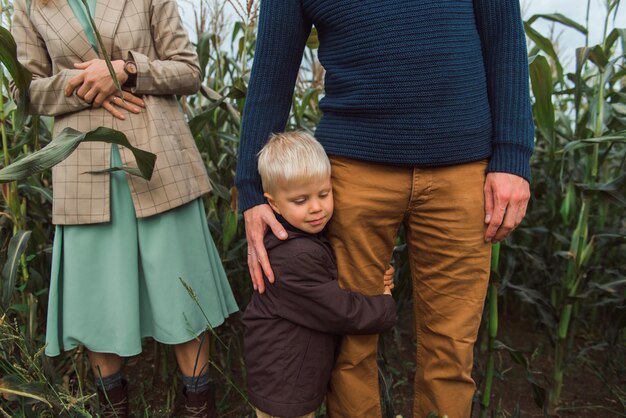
(408, 82)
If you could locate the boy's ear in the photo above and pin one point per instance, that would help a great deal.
(271, 202)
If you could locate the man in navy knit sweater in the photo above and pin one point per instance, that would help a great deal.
(427, 122)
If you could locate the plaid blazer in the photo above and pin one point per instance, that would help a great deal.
(50, 40)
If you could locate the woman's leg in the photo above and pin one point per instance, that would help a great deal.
(104, 364)
(112, 389)
(193, 360)
(193, 356)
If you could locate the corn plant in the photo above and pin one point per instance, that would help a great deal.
(581, 139)
(565, 263)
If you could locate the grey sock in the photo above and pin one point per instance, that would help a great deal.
(196, 384)
(109, 382)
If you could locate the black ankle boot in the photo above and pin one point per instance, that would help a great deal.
(114, 403)
(196, 405)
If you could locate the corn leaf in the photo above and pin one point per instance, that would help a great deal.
(541, 81)
(20, 75)
(559, 18)
(203, 49)
(103, 51)
(64, 144)
(17, 246)
(618, 137)
(229, 229)
(546, 46)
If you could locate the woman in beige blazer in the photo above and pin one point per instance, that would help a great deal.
(123, 242)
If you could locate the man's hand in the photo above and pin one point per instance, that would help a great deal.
(128, 102)
(506, 199)
(257, 219)
(94, 84)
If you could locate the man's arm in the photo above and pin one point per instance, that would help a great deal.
(283, 31)
(503, 43)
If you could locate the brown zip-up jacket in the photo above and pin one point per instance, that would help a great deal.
(291, 331)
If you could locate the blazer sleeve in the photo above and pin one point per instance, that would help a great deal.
(308, 298)
(46, 89)
(177, 70)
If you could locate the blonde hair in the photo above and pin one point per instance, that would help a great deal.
(291, 157)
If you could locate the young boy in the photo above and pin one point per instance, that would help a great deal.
(292, 329)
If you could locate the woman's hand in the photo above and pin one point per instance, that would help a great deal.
(128, 102)
(94, 84)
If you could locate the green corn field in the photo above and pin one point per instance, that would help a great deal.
(553, 340)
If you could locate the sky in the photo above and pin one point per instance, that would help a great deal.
(575, 10)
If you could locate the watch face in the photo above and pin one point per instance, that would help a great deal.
(130, 67)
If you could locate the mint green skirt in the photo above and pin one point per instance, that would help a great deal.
(114, 283)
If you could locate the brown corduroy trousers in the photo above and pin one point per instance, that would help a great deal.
(442, 209)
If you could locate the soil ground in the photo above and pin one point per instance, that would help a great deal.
(584, 393)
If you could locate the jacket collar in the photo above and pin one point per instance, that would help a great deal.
(293, 229)
(61, 19)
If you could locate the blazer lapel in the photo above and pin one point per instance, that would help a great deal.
(108, 13)
(61, 18)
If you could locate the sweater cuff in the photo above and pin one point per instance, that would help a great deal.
(511, 158)
(250, 195)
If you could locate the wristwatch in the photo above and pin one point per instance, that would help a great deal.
(130, 68)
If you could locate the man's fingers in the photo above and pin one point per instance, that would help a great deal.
(522, 211)
(508, 224)
(267, 269)
(276, 227)
(488, 202)
(257, 219)
(254, 270)
(494, 224)
(263, 260)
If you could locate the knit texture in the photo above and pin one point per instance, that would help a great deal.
(408, 82)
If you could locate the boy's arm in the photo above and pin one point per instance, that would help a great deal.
(308, 298)
(177, 70)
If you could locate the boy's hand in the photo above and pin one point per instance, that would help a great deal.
(387, 291)
(388, 278)
(257, 219)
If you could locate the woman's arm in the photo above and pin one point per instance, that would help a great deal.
(177, 70)
(46, 90)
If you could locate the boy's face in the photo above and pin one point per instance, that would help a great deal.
(308, 206)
